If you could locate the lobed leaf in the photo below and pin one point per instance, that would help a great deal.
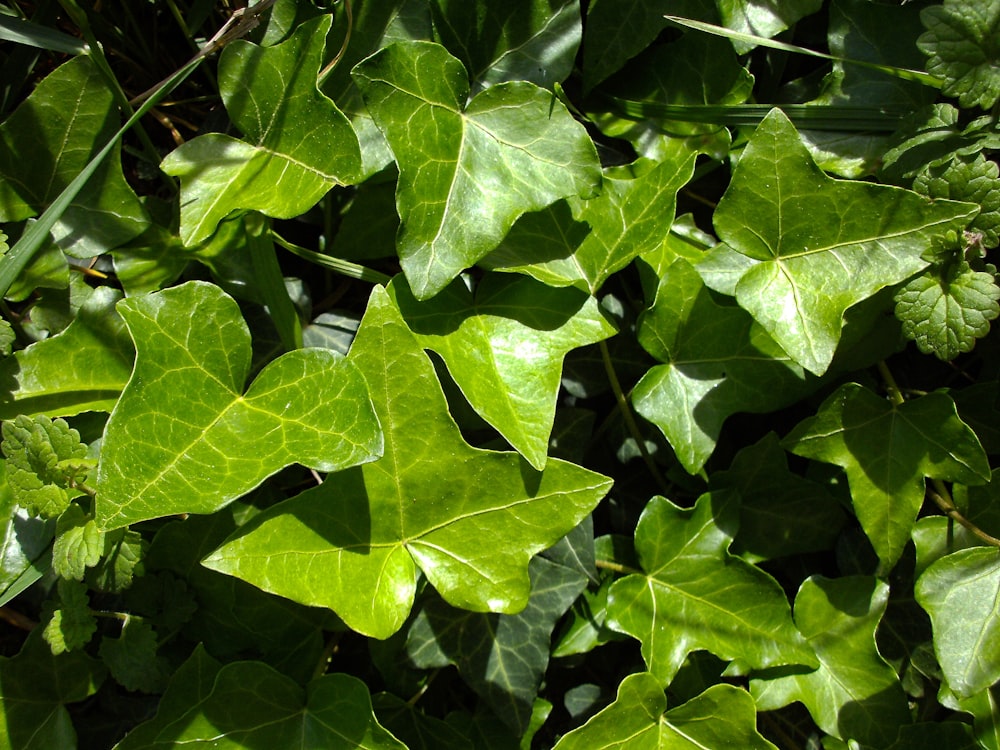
(467, 169)
(185, 438)
(962, 44)
(470, 519)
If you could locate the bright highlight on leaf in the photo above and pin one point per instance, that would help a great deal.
(467, 168)
(356, 542)
(716, 602)
(813, 246)
(184, 438)
(298, 144)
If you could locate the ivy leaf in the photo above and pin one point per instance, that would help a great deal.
(184, 438)
(945, 311)
(299, 145)
(970, 178)
(887, 450)
(718, 362)
(72, 623)
(959, 592)
(467, 170)
(933, 735)
(69, 116)
(504, 346)
(854, 694)
(35, 685)
(82, 368)
(131, 659)
(470, 519)
(78, 544)
(625, 220)
(717, 602)
(502, 657)
(762, 18)
(415, 728)
(962, 44)
(24, 541)
(722, 716)
(813, 246)
(44, 459)
(523, 40)
(248, 704)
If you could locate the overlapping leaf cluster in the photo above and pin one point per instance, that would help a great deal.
(496, 375)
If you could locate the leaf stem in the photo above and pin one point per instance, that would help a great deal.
(630, 422)
(617, 567)
(330, 66)
(343, 267)
(940, 495)
(332, 643)
(892, 389)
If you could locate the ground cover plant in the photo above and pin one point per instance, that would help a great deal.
(472, 374)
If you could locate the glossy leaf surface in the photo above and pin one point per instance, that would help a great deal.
(467, 169)
(185, 438)
(298, 144)
(813, 246)
(722, 716)
(887, 451)
(354, 544)
(717, 602)
(504, 345)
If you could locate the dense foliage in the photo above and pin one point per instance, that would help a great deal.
(475, 374)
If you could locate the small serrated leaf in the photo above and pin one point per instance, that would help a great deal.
(962, 43)
(78, 544)
(971, 178)
(44, 458)
(944, 311)
(132, 658)
(72, 623)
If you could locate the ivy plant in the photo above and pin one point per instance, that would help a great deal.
(494, 376)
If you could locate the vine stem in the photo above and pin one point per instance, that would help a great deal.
(328, 651)
(616, 567)
(630, 422)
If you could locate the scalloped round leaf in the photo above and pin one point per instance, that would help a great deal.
(185, 438)
(962, 43)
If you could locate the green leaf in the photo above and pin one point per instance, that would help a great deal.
(887, 450)
(854, 694)
(121, 560)
(523, 40)
(131, 659)
(299, 145)
(184, 438)
(504, 346)
(23, 541)
(34, 685)
(467, 170)
(83, 368)
(67, 119)
(780, 512)
(813, 246)
(959, 592)
(78, 544)
(44, 459)
(415, 728)
(708, 599)
(934, 735)
(718, 362)
(470, 519)
(627, 219)
(502, 657)
(947, 309)
(969, 178)
(248, 704)
(962, 44)
(722, 716)
(72, 623)
(763, 18)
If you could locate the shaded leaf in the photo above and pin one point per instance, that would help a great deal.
(502, 657)
(428, 503)
(959, 592)
(65, 121)
(131, 658)
(23, 540)
(854, 694)
(299, 145)
(121, 560)
(722, 716)
(718, 362)
(248, 704)
(415, 728)
(813, 246)
(887, 451)
(695, 595)
(962, 44)
(82, 368)
(946, 310)
(34, 686)
(504, 346)
(467, 170)
(184, 438)
(967, 178)
(72, 622)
